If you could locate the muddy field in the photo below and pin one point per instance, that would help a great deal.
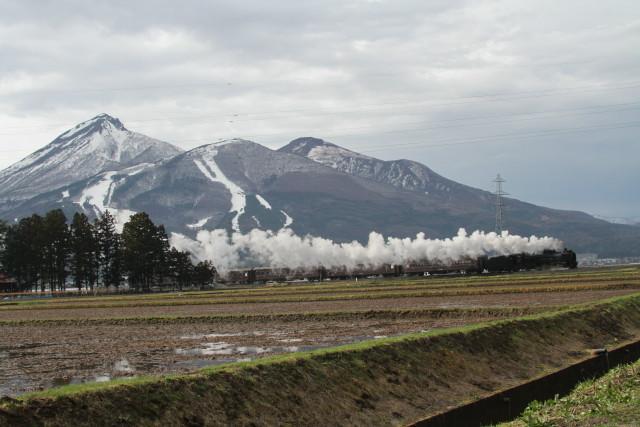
(36, 355)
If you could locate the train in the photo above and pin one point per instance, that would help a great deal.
(484, 264)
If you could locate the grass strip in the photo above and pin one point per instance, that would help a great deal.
(613, 399)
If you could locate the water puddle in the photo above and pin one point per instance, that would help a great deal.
(123, 366)
(226, 349)
(223, 335)
(121, 369)
(291, 340)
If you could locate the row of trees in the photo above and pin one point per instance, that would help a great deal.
(45, 252)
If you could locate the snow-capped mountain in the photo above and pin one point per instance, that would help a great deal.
(404, 174)
(236, 184)
(96, 145)
(310, 186)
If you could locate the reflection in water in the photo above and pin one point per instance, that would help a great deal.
(15, 378)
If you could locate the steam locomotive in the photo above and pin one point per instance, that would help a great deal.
(483, 264)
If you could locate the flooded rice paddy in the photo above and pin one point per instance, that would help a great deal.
(36, 357)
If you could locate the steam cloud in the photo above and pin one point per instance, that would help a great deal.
(285, 249)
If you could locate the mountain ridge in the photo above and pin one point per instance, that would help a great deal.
(310, 186)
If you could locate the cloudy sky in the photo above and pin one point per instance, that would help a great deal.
(545, 92)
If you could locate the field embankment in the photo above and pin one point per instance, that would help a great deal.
(386, 381)
(613, 399)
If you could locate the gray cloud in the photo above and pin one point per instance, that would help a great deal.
(544, 92)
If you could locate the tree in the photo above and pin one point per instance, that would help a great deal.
(24, 249)
(144, 251)
(204, 273)
(83, 247)
(180, 268)
(56, 249)
(109, 250)
(4, 228)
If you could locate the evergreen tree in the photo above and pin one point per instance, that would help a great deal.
(117, 267)
(180, 268)
(4, 228)
(204, 273)
(41, 251)
(83, 247)
(24, 249)
(109, 256)
(145, 248)
(56, 249)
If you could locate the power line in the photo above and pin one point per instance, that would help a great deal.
(403, 131)
(602, 109)
(513, 136)
(516, 135)
(451, 141)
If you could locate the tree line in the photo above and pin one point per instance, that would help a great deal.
(48, 253)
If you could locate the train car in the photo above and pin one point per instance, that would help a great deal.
(464, 266)
(240, 277)
(496, 264)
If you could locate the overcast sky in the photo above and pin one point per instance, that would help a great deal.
(545, 92)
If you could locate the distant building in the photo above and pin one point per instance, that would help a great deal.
(7, 283)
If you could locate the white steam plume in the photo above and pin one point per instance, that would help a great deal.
(285, 249)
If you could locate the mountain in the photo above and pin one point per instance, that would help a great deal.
(312, 187)
(236, 184)
(472, 208)
(96, 145)
(402, 174)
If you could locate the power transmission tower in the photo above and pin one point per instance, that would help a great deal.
(499, 204)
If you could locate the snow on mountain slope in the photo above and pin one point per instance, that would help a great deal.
(323, 152)
(96, 197)
(263, 202)
(404, 174)
(288, 220)
(209, 168)
(96, 145)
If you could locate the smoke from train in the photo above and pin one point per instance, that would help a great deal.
(285, 249)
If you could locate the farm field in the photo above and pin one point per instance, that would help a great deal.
(66, 340)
